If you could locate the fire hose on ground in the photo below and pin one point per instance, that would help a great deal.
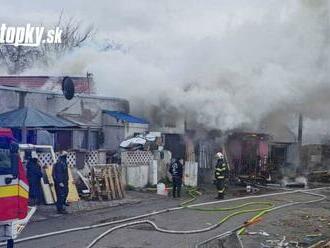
(184, 205)
(159, 229)
(240, 229)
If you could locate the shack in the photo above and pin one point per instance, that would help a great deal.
(85, 111)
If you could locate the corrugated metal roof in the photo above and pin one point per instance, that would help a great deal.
(30, 117)
(125, 117)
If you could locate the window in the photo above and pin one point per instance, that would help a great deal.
(93, 140)
(5, 164)
(63, 140)
(80, 139)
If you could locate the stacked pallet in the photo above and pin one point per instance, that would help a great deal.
(106, 183)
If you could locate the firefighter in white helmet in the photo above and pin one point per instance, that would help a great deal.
(221, 169)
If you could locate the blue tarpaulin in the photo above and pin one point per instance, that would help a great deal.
(30, 117)
(125, 117)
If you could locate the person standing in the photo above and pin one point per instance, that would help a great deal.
(34, 175)
(176, 170)
(221, 169)
(61, 180)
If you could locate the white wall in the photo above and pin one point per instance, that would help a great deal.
(190, 173)
(132, 128)
(113, 136)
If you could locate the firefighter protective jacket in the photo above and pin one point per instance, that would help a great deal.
(220, 169)
(176, 169)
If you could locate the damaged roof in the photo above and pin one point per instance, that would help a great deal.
(125, 117)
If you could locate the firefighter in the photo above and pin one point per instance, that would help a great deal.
(220, 174)
(176, 170)
(61, 180)
(34, 175)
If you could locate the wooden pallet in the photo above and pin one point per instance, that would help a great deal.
(106, 183)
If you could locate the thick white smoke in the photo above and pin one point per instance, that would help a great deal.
(221, 64)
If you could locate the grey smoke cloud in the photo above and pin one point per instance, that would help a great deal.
(223, 64)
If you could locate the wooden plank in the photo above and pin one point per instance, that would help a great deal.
(122, 188)
(48, 170)
(106, 181)
(46, 192)
(92, 188)
(73, 195)
(110, 176)
(117, 183)
(98, 189)
(85, 181)
(112, 193)
(96, 186)
(107, 185)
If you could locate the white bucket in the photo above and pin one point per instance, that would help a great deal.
(161, 189)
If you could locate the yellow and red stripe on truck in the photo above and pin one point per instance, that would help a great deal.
(14, 197)
(14, 190)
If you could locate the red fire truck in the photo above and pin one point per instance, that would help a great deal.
(14, 190)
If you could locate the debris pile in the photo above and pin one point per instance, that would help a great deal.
(320, 176)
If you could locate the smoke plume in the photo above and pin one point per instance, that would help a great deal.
(219, 64)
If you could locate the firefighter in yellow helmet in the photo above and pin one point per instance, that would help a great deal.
(221, 169)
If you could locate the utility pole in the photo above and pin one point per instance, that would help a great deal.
(89, 76)
(300, 133)
(300, 130)
(21, 104)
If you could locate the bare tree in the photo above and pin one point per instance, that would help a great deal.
(74, 35)
(16, 59)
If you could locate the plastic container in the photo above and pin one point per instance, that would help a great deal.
(161, 189)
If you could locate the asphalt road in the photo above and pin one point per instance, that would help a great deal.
(295, 223)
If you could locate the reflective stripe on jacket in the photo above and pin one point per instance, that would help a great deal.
(220, 170)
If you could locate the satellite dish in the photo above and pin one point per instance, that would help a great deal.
(68, 88)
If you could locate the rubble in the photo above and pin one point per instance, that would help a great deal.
(262, 233)
(321, 244)
(319, 176)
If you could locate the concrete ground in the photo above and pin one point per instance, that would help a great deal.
(305, 223)
(45, 212)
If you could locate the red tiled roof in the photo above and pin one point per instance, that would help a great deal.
(46, 83)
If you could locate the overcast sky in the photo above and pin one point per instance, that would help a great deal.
(137, 20)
